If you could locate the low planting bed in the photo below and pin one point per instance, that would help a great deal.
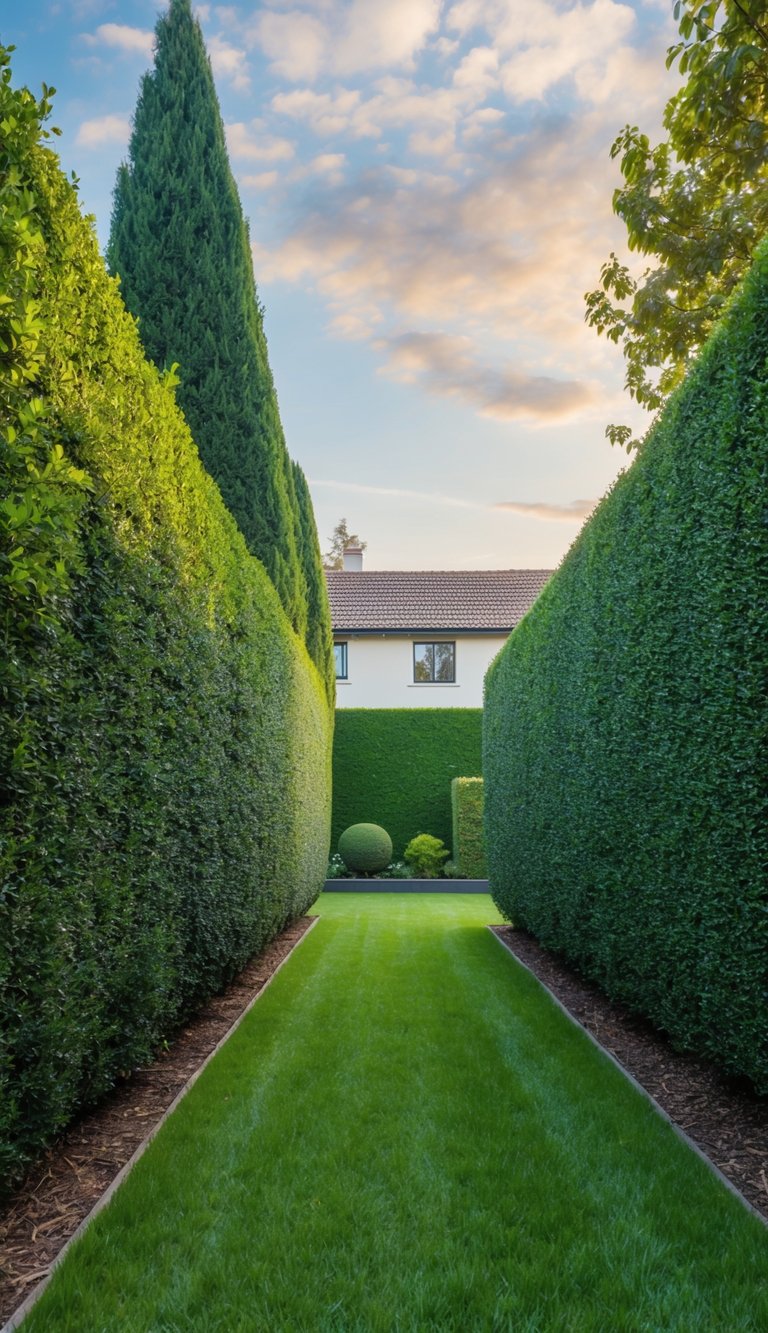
(375, 885)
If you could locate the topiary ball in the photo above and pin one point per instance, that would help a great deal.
(365, 848)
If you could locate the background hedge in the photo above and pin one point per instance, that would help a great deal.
(468, 838)
(164, 737)
(394, 767)
(625, 728)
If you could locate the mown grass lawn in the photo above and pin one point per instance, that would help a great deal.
(406, 1134)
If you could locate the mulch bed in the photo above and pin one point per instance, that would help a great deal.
(72, 1176)
(723, 1117)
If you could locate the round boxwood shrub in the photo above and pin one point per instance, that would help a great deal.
(365, 848)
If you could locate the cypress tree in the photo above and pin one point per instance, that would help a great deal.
(180, 245)
(319, 637)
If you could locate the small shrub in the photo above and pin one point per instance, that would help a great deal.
(366, 848)
(397, 870)
(336, 868)
(425, 855)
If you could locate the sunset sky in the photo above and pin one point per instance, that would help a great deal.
(428, 187)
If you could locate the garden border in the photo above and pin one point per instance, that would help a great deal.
(679, 1131)
(14, 1321)
(403, 886)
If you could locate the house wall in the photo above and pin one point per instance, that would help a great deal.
(380, 671)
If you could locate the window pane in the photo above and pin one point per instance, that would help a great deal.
(423, 661)
(340, 654)
(444, 662)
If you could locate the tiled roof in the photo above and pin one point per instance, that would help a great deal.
(377, 599)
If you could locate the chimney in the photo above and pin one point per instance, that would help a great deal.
(353, 560)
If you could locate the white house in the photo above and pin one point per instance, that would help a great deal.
(422, 638)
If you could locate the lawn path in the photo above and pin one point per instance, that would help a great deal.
(406, 1134)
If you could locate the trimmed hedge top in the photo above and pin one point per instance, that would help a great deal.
(625, 729)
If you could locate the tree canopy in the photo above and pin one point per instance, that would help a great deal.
(696, 202)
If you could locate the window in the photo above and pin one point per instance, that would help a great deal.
(434, 663)
(340, 653)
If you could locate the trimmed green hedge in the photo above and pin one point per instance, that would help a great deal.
(164, 737)
(468, 836)
(625, 726)
(394, 767)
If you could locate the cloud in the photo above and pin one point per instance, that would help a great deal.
(398, 493)
(255, 143)
(574, 512)
(229, 62)
(296, 43)
(478, 70)
(462, 254)
(112, 129)
(359, 37)
(261, 180)
(445, 365)
(134, 41)
(428, 113)
(377, 35)
(540, 44)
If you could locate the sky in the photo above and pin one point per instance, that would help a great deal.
(428, 187)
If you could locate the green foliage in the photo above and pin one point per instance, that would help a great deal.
(164, 737)
(468, 837)
(366, 848)
(696, 202)
(319, 638)
(180, 245)
(425, 855)
(341, 538)
(625, 733)
(395, 766)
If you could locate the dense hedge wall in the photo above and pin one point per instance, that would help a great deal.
(394, 767)
(468, 838)
(625, 728)
(164, 737)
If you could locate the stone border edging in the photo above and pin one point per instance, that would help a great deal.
(405, 886)
(23, 1310)
(679, 1131)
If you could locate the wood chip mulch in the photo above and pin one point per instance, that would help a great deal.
(724, 1117)
(73, 1174)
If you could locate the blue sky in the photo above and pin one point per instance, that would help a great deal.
(428, 188)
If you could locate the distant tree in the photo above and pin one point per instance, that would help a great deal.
(341, 538)
(697, 202)
(180, 245)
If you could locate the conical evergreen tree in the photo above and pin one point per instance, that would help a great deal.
(180, 245)
(319, 637)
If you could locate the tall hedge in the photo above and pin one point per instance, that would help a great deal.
(164, 736)
(180, 244)
(394, 767)
(625, 724)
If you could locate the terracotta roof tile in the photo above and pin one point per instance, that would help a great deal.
(377, 599)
